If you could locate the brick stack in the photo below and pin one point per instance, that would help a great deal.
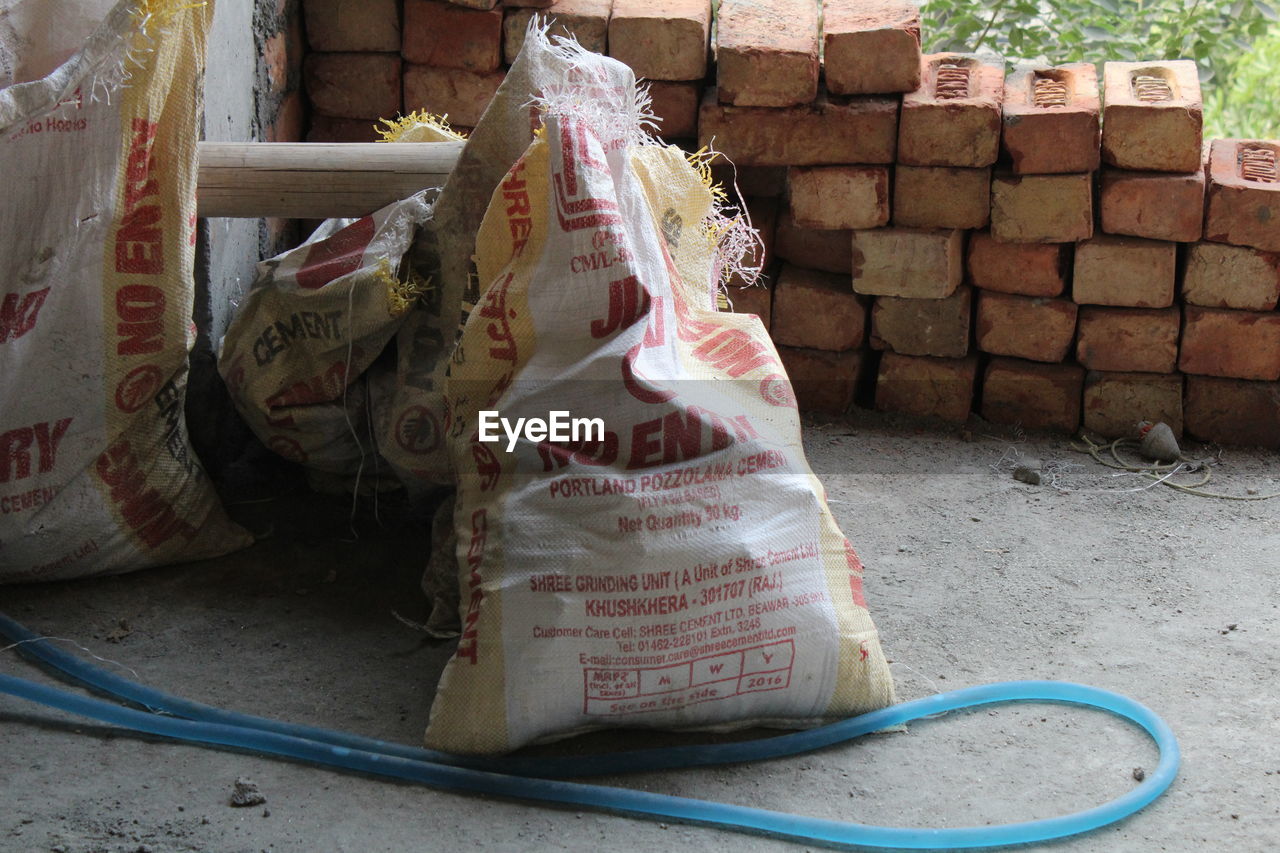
(824, 138)
(940, 237)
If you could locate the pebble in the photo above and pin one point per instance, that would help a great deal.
(246, 793)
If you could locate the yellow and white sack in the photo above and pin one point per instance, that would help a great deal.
(683, 569)
(98, 137)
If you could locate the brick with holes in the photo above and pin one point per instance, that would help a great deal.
(823, 381)
(336, 26)
(767, 53)
(1244, 193)
(1115, 403)
(1129, 339)
(1151, 116)
(926, 387)
(1041, 208)
(461, 95)
(839, 196)
(1234, 344)
(870, 46)
(814, 248)
(918, 263)
(1129, 271)
(1031, 327)
(585, 20)
(953, 119)
(941, 197)
(818, 310)
(826, 132)
(451, 36)
(661, 39)
(1233, 411)
(1156, 205)
(1218, 275)
(1050, 119)
(1031, 269)
(353, 85)
(933, 327)
(1032, 394)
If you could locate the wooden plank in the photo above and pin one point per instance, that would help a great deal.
(316, 180)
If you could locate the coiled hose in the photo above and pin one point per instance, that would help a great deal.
(526, 778)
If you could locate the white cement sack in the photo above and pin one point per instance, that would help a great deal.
(97, 233)
(680, 568)
(316, 318)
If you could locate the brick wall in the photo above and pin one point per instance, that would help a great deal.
(1054, 247)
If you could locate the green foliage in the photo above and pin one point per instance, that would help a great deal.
(1217, 34)
(1249, 104)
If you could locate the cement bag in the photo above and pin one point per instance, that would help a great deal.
(97, 229)
(677, 566)
(313, 322)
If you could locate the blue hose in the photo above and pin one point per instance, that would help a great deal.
(214, 726)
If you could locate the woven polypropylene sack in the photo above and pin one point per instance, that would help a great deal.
(681, 569)
(317, 317)
(97, 234)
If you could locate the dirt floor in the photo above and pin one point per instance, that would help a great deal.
(972, 576)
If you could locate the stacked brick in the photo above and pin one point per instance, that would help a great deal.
(940, 237)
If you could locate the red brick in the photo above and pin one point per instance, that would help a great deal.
(1115, 403)
(927, 327)
(342, 26)
(822, 381)
(1221, 276)
(763, 213)
(488, 4)
(1243, 211)
(870, 47)
(1235, 344)
(661, 39)
(585, 20)
(917, 263)
(275, 56)
(839, 196)
(460, 95)
(1041, 208)
(1032, 395)
(1027, 327)
(676, 105)
(818, 310)
(957, 123)
(767, 53)
(826, 132)
(830, 251)
(1158, 135)
(353, 85)
(1128, 271)
(1233, 411)
(1031, 269)
(1129, 339)
(761, 181)
(1051, 119)
(1158, 205)
(941, 197)
(449, 36)
(926, 387)
(330, 129)
(757, 299)
(290, 123)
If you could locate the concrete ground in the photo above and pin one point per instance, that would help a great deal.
(972, 577)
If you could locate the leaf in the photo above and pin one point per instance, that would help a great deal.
(1109, 5)
(1266, 11)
